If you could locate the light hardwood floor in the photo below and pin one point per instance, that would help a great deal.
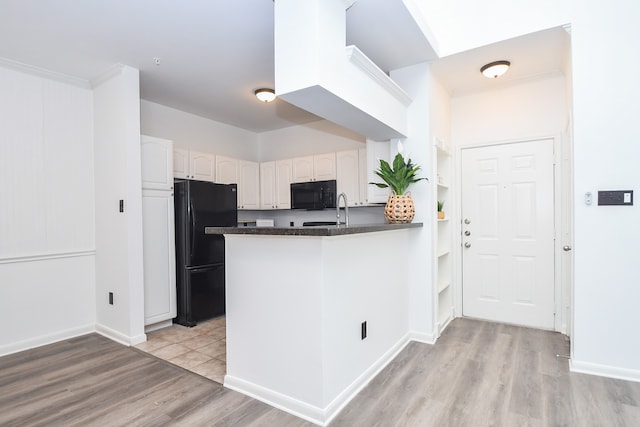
(478, 374)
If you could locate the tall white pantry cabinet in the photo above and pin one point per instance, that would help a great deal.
(158, 231)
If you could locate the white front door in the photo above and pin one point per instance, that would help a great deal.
(508, 233)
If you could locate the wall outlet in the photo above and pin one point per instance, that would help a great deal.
(110, 298)
(363, 330)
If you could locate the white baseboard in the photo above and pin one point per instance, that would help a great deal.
(120, 337)
(314, 414)
(423, 337)
(159, 325)
(295, 407)
(604, 370)
(361, 382)
(46, 339)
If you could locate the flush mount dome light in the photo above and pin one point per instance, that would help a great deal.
(495, 69)
(265, 95)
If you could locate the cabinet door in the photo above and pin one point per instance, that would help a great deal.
(202, 166)
(249, 185)
(181, 163)
(302, 169)
(283, 184)
(362, 176)
(324, 166)
(347, 171)
(227, 170)
(158, 245)
(157, 163)
(268, 185)
(376, 150)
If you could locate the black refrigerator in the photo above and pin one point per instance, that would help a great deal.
(200, 257)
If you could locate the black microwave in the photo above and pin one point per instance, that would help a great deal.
(313, 195)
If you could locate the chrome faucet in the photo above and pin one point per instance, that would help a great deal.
(346, 210)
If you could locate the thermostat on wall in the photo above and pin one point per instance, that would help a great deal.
(615, 198)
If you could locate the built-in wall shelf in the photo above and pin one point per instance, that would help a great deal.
(443, 236)
(443, 286)
(443, 252)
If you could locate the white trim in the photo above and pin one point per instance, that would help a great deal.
(311, 413)
(113, 71)
(423, 338)
(46, 339)
(604, 370)
(46, 256)
(362, 61)
(120, 337)
(158, 325)
(42, 72)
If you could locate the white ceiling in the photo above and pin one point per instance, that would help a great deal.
(213, 54)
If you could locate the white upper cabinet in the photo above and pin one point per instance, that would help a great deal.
(302, 169)
(320, 167)
(227, 170)
(324, 166)
(348, 179)
(193, 165)
(157, 163)
(245, 174)
(202, 166)
(363, 176)
(180, 163)
(275, 183)
(284, 170)
(376, 150)
(249, 185)
(268, 185)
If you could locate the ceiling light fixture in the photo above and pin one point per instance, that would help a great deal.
(495, 69)
(265, 95)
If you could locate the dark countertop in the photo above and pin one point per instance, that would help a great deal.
(321, 230)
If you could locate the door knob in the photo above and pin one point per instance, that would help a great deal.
(467, 233)
(466, 221)
(566, 248)
(467, 245)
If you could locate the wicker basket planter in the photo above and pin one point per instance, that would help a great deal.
(399, 209)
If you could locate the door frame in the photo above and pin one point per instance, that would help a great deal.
(562, 185)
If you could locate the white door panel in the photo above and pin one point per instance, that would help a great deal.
(508, 231)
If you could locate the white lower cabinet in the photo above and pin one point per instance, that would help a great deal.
(158, 256)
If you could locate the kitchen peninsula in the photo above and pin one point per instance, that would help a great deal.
(314, 313)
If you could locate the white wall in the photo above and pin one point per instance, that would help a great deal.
(118, 234)
(189, 131)
(46, 212)
(415, 80)
(606, 153)
(530, 109)
(464, 25)
(311, 138)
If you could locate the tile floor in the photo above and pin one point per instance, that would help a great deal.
(201, 349)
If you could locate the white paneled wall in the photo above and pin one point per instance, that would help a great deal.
(47, 278)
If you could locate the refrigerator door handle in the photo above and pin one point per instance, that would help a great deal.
(192, 217)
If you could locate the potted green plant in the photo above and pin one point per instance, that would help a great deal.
(398, 177)
(440, 211)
